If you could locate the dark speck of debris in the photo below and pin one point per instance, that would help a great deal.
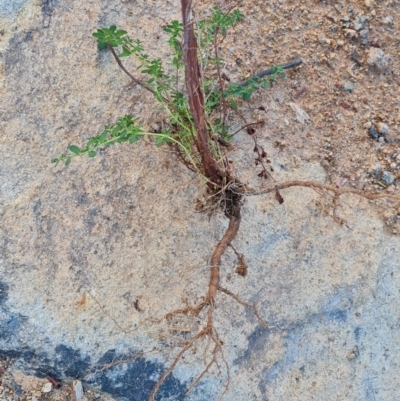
(239, 61)
(136, 305)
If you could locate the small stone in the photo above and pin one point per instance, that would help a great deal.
(387, 178)
(388, 20)
(78, 390)
(47, 388)
(377, 58)
(360, 22)
(375, 42)
(382, 128)
(349, 86)
(372, 132)
(393, 165)
(368, 3)
(367, 125)
(350, 33)
(364, 34)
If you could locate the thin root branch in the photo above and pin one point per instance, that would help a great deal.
(248, 305)
(175, 362)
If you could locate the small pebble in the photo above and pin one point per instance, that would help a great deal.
(387, 178)
(47, 388)
(372, 132)
(388, 20)
(368, 3)
(350, 33)
(364, 35)
(78, 390)
(377, 58)
(360, 22)
(382, 128)
(349, 86)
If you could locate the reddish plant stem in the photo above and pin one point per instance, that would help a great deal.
(135, 80)
(195, 96)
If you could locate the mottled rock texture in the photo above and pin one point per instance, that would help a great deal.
(93, 254)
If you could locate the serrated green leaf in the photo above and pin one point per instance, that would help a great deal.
(74, 149)
(92, 153)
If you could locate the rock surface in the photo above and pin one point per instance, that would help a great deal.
(94, 255)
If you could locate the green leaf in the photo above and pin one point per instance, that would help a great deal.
(92, 141)
(68, 161)
(121, 32)
(115, 131)
(161, 139)
(92, 153)
(74, 149)
(247, 95)
(101, 45)
(233, 105)
(103, 137)
(134, 138)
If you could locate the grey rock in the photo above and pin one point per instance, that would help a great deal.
(364, 35)
(360, 22)
(10, 8)
(78, 390)
(388, 20)
(47, 388)
(387, 177)
(349, 86)
(376, 58)
(373, 133)
(382, 128)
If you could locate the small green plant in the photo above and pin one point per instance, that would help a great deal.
(169, 90)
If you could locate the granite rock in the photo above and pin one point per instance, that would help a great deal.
(94, 255)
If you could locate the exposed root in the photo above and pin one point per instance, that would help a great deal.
(232, 211)
(205, 370)
(174, 363)
(121, 362)
(246, 304)
(244, 190)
